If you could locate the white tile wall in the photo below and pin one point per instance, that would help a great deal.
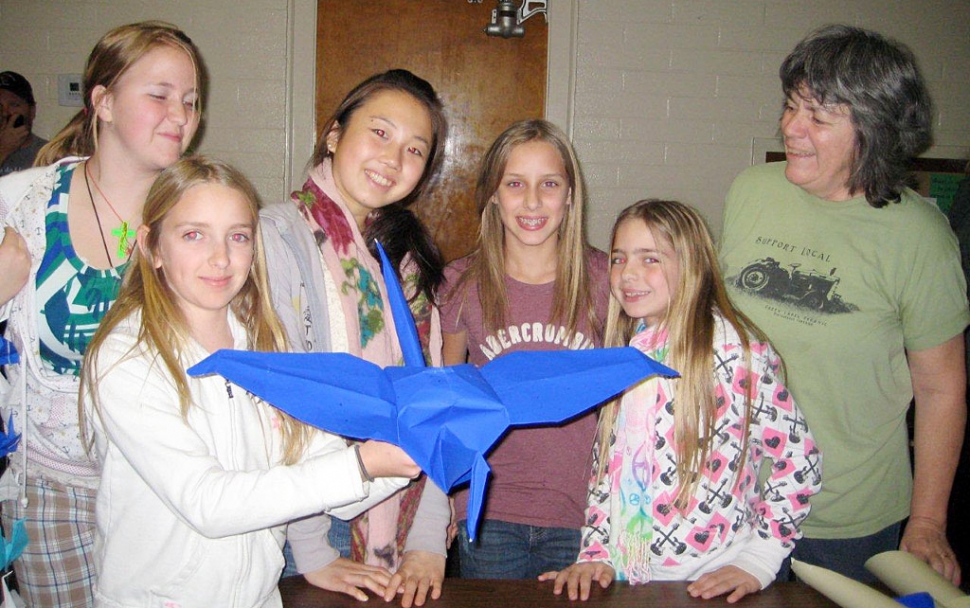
(669, 94)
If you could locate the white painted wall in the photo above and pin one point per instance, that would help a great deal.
(664, 98)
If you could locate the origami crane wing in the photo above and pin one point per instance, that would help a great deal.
(566, 382)
(444, 418)
(337, 392)
(8, 354)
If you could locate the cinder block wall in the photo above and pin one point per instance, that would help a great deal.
(244, 45)
(669, 94)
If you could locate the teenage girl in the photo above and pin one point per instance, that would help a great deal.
(675, 494)
(378, 154)
(533, 283)
(71, 228)
(199, 477)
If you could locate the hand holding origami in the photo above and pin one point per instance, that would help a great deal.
(446, 418)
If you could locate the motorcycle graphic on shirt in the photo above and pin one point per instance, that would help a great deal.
(793, 285)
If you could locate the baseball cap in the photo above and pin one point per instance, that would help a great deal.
(18, 85)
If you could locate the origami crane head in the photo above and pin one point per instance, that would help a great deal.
(447, 418)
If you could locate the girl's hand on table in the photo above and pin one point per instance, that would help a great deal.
(724, 580)
(578, 579)
(420, 572)
(347, 576)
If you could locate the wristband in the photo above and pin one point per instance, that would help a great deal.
(360, 464)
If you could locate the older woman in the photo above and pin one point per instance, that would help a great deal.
(856, 279)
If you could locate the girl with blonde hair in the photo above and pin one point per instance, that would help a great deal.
(69, 232)
(674, 493)
(533, 283)
(199, 477)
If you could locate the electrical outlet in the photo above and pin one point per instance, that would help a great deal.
(69, 90)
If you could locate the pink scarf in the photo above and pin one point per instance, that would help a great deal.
(633, 466)
(379, 534)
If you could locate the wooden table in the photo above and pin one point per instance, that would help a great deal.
(461, 593)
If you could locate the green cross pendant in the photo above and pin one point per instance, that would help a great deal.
(125, 236)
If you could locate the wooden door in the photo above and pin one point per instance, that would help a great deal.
(486, 83)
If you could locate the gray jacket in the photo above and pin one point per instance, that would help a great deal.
(293, 260)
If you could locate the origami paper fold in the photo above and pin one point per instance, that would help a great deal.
(9, 439)
(447, 418)
(10, 549)
(8, 354)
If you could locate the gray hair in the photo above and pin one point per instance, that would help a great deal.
(879, 81)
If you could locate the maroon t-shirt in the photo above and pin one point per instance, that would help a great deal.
(539, 475)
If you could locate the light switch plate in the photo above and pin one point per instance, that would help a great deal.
(69, 90)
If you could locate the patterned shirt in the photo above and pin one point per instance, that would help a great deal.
(73, 296)
(730, 519)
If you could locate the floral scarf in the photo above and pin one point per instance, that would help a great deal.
(632, 467)
(379, 534)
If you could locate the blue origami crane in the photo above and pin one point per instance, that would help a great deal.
(8, 354)
(445, 418)
(12, 548)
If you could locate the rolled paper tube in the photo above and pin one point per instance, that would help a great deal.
(840, 589)
(905, 573)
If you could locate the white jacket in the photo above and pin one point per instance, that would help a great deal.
(192, 513)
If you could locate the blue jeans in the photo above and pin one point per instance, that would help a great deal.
(846, 555)
(506, 550)
(339, 538)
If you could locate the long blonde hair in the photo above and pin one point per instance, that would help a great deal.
(573, 293)
(110, 58)
(163, 327)
(689, 320)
